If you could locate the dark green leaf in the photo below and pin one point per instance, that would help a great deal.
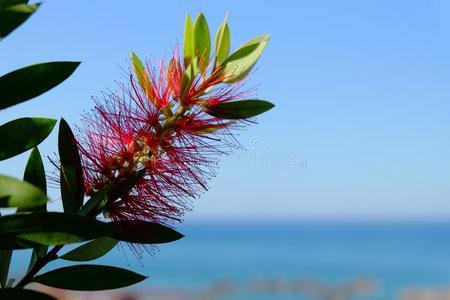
(50, 228)
(109, 193)
(35, 174)
(142, 232)
(124, 186)
(5, 261)
(9, 242)
(189, 46)
(23, 134)
(97, 202)
(21, 294)
(12, 17)
(202, 42)
(89, 278)
(222, 42)
(32, 81)
(16, 193)
(239, 109)
(37, 252)
(71, 175)
(240, 62)
(7, 3)
(92, 250)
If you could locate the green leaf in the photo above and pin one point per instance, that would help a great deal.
(222, 42)
(71, 175)
(37, 252)
(142, 232)
(189, 43)
(22, 294)
(12, 17)
(92, 250)
(239, 63)
(7, 3)
(5, 261)
(109, 193)
(32, 81)
(202, 42)
(20, 135)
(189, 75)
(242, 109)
(24, 230)
(35, 174)
(97, 202)
(124, 186)
(142, 77)
(16, 193)
(9, 242)
(89, 278)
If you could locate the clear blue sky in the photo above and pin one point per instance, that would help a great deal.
(361, 129)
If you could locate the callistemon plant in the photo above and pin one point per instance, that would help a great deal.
(141, 156)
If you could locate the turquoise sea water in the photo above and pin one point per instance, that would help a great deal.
(277, 261)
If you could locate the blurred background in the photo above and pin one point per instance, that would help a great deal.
(343, 189)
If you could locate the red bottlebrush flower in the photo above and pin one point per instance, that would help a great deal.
(156, 124)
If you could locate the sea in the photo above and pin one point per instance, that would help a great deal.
(321, 260)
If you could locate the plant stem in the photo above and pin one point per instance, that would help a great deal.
(40, 263)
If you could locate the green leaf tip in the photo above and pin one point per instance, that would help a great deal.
(222, 42)
(189, 46)
(202, 42)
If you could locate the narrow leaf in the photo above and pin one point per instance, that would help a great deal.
(22, 294)
(89, 278)
(109, 193)
(20, 135)
(124, 186)
(222, 43)
(35, 174)
(50, 228)
(202, 42)
(239, 63)
(239, 109)
(92, 250)
(8, 3)
(37, 252)
(142, 232)
(5, 261)
(71, 176)
(13, 16)
(189, 44)
(97, 202)
(37, 79)
(16, 193)
(142, 77)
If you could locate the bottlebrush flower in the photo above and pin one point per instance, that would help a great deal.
(166, 120)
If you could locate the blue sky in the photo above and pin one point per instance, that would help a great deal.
(361, 128)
